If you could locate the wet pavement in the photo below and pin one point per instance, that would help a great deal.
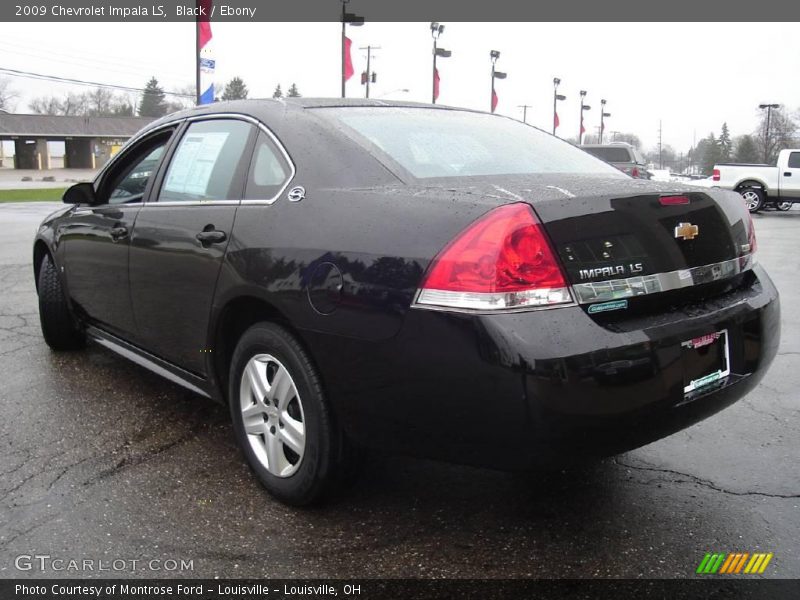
(101, 460)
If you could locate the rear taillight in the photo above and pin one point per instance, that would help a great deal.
(715, 175)
(635, 172)
(502, 260)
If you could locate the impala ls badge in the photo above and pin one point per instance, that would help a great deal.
(686, 231)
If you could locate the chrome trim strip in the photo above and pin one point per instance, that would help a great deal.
(417, 302)
(208, 117)
(275, 140)
(614, 289)
(142, 358)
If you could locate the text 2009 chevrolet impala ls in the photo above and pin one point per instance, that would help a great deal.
(437, 281)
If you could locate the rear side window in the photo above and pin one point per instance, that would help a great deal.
(268, 171)
(794, 160)
(208, 162)
(451, 143)
(611, 154)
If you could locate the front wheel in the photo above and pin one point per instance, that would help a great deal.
(281, 417)
(59, 328)
(784, 205)
(753, 198)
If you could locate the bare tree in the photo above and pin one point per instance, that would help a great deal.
(7, 95)
(99, 102)
(45, 105)
(782, 134)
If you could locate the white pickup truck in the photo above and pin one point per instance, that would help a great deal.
(763, 185)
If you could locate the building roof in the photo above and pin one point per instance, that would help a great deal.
(52, 126)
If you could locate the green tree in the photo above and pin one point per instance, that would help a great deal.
(153, 104)
(235, 90)
(278, 93)
(293, 92)
(725, 144)
(746, 150)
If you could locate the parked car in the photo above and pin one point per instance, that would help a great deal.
(350, 274)
(763, 185)
(621, 155)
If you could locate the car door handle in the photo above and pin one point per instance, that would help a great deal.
(787, 173)
(117, 233)
(211, 237)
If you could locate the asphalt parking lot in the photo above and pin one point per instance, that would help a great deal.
(100, 459)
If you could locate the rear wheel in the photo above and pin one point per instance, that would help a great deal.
(281, 418)
(784, 205)
(753, 198)
(59, 328)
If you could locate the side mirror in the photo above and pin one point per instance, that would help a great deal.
(80, 193)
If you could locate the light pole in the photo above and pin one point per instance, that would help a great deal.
(436, 31)
(769, 108)
(583, 108)
(524, 108)
(603, 115)
(355, 21)
(494, 55)
(556, 98)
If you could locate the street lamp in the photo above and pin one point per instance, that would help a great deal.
(603, 115)
(355, 21)
(436, 31)
(583, 108)
(769, 108)
(556, 98)
(494, 55)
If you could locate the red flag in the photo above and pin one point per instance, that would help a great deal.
(494, 100)
(583, 129)
(436, 84)
(348, 62)
(203, 24)
(556, 122)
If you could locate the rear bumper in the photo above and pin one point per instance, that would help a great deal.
(522, 389)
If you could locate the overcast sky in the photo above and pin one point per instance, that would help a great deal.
(692, 77)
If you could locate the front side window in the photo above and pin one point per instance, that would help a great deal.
(130, 182)
(207, 164)
(450, 143)
(610, 153)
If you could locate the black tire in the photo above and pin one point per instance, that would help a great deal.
(784, 206)
(753, 197)
(59, 328)
(324, 463)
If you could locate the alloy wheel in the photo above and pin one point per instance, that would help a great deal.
(272, 413)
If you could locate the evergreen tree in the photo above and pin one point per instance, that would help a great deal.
(746, 150)
(708, 153)
(278, 93)
(293, 92)
(235, 90)
(725, 144)
(153, 104)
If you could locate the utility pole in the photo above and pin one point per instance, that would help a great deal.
(524, 108)
(769, 108)
(368, 75)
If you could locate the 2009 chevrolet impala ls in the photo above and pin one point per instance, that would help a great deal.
(436, 281)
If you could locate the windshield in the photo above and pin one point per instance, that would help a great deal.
(450, 143)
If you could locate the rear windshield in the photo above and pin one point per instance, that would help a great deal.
(616, 155)
(450, 143)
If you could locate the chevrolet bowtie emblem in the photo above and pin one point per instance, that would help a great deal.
(686, 231)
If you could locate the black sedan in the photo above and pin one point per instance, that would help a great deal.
(420, 279)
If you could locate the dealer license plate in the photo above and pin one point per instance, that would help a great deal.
(705, 359)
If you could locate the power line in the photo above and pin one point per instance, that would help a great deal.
(125, 88)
